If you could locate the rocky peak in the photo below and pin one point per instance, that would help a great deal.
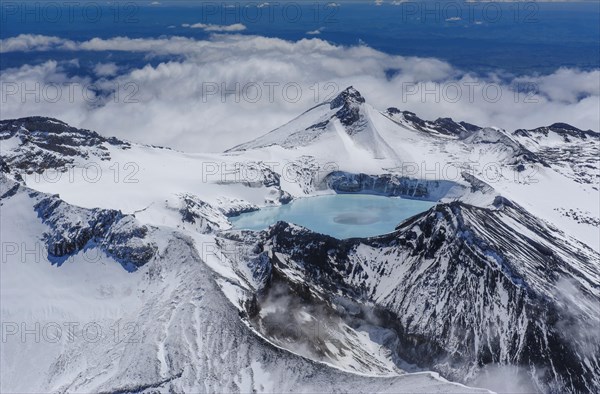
(349, 96)
(348, 102)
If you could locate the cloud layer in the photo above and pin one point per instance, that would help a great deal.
(216, 93)
(217, 28)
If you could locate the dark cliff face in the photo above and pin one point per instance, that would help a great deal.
(462, 290)
(72, 229)
(386, 185)
(348, 102)
(46, 143)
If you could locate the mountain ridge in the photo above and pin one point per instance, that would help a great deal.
(491, 277)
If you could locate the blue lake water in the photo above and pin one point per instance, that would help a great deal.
(339, 215)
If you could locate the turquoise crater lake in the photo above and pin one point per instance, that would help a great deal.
(338, 215)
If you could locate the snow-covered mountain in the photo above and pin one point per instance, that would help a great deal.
(344, 122)
(496, 286)
(536, 168)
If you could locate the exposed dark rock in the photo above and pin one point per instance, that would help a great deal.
(285, 197)
(205, 218)
(319, 126)
(47, 143)
(348, 102)
(349, 96)
(73, 229)
(252, 174)
(445, 126)
(565, 130)
(386, 185)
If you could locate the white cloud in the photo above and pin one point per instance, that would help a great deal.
(218, 28)
(315, 32)
(177, 107)
(106, 69)
(565, 85)
(32, 42)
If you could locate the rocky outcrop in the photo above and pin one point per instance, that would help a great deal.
(566, 131)
(46, 143)
(348, 102)
(444, 126)
(72, 229)
(387, 185)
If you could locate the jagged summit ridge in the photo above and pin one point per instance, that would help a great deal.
(566, 131)
(349, 96)
(51, 128)
(444, 126)
(37, 143)
(348, 102)
(356, 129)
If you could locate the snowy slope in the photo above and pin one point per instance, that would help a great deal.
(167, 326)
(514, 240)
(345, 122)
